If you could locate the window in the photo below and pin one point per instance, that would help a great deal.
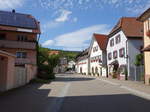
(115, 54)
(2, 36)
(112, 42)
(21, 55)
(118, 39)
(109, 56)
(22, 38)
(122, 52)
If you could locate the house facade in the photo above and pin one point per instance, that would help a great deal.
(145, 18)
(125, 42)
(97, 55)
(82, 62)
(18, 36)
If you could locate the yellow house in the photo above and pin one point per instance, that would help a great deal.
(145, 18)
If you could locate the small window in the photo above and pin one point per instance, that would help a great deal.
(2, 36)
(115, 54)
(122, 52)
(22, 38)
(21, 55)
(109, 56)
(112, 42)
(118, 39)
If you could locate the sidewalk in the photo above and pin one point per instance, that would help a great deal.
(135, 87)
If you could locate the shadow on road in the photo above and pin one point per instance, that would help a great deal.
(32, 99)
(105, 103)
(25, 99)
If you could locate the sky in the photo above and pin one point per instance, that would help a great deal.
(69, 24)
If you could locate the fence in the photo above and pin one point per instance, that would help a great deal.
(137, 73)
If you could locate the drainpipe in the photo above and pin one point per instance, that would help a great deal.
(37, 48)
(127, 61)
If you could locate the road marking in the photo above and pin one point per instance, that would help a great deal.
(57, 102)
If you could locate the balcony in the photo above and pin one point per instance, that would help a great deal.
(17, 44)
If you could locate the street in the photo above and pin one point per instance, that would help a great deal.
(72, 93)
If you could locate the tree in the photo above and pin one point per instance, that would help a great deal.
(139, 59)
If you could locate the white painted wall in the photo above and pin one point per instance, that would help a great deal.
(99, 52)
(122, 44)
(84, 65)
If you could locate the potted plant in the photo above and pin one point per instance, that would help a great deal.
(148, 33)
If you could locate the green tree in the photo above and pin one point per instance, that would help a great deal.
(139, 59)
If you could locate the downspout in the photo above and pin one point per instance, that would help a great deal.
(127, 57)
(37, 49)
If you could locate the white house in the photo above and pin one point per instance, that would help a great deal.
(125, 42)
(82, 63)
(98, 55)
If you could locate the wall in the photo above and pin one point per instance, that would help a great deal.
(84, 65)
(96, 64)
(134, 46)
(122, 44)
(146, 54)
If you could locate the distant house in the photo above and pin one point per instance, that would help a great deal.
(145, 17)
(98, 55)
(18, 36)
(71, 64)
(125, 42)
(82, 62)
(62, 66)
(54, 52)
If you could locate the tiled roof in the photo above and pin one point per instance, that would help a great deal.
(145, 15)
(17, 20)
(130, 26)
(101, 40)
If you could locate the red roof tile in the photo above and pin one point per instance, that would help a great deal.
(130, 26)
(101, 40)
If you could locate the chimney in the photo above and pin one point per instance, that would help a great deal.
(13, 11)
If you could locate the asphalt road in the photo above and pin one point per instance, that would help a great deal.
(72, 93)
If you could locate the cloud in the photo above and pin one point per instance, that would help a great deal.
(10, 4)
(48, 43)
(77, 40)
(64, 16)
(87, 4)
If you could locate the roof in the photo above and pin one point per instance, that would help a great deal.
(145, 15)
(147, 48)
(17, 20)
(130, 26)
(101, 40)
(83, 55)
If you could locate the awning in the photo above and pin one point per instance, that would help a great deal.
(114, 63)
